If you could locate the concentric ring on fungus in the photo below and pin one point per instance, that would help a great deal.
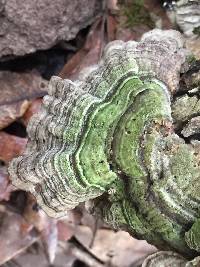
(110, 138)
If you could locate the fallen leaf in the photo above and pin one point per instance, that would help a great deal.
(13, 241)
(112, 5)
(9, 113)
(11, 146)
(194, 47)
(33, 108)
(71, 65)
(155, 7)
(5, 187)
(65, 230)
(88, 55)
(111, 27)
(117, 249)
(84, 255)
(46, 226)
(34, 215)
(17, 89)
(49, 237)
(37, 257)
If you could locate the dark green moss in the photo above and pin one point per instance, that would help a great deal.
(197, 30)
(136, 14)
(191, 59)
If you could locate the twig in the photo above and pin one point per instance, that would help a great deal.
(83, 253)
(94, 231)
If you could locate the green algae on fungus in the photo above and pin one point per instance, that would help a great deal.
(109, 139)
(193, 236)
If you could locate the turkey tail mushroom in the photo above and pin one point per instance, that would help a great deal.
(110, 138)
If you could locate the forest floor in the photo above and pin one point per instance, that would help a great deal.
(27, 236)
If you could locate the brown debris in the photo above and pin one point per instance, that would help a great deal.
(13, 240)
(33, 215)
(45, 226)
(194, 47)
(5, 187)
(154, 6)
(11, 146)
(17, 89)
(49, 236)
(84, 255)
(88, 55)
(115, 247)
(65, 230)
(33, 108)
(111, 27)
(157, 15)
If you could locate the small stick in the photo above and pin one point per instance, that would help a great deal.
(83, 254)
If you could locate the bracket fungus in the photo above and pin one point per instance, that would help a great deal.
(187, 17)
(169, 259)
(113, 139)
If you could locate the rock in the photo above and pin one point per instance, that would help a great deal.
(27, 26)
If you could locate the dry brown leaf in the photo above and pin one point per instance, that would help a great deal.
(33, 257)
(88, 55)
(65, 230)
(13, 239)
(17, 89)
(33, 108)
(5, 187)
(155, 7)
(72, 64)
(49, 229)
(49, 237)
(11, 146)
(194, 47)
(111, 27)
(112, 5)
(118, 249)
(46, 226)
(33, 215)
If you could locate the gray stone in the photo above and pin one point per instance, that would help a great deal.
(30, 25)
